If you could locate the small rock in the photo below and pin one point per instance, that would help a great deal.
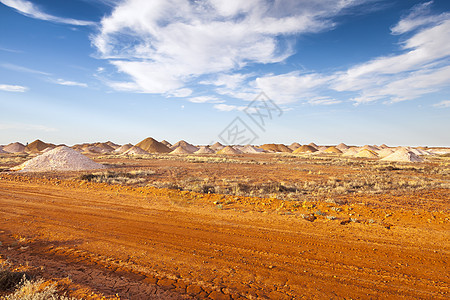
(309, 217)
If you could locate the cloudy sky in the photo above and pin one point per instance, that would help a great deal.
(353, 71)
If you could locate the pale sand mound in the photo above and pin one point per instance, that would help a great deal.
(189, 147)
(181, 150)
(123, 148)
(59, 159)
(294, 146)
(383, 146)
(333, 149)
(305, 149)
(2, 151)
(417, 151)
(322, 148)
(249, 149)
(217, 146)
(403, 155)
(14, 148)
(135, 150)
(366, 153)
(153, 146)
(229, 150)
(351, 152)
(205, 150)
(342, 147)
(385, 152)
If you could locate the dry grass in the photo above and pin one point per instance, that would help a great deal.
(361, 176)
(17, 285)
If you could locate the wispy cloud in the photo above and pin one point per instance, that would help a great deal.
(13, 88)
(31, 10)
(163, 45)
(70, 83)
(419, 15)
(23, 69)
(10, 50)
(227, 107)
(26, 127)
(421, 68)
(205, 99)
(442, 104)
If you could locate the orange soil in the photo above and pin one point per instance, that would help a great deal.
(144, 243)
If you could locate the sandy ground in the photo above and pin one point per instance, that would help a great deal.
(144, 243)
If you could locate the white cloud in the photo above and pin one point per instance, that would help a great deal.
(70, 83)
(442, 104)
(406, 76)
(227, 107)
(13, 88)
(292, 87)
(30, 10)
(180, 93)
(419, 16)
(205, 99)
(323, 101)
(228, 81)
(162, 45)
(26, 127)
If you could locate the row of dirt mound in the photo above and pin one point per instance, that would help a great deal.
(151, 146)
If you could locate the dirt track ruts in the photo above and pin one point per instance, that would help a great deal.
(139, 247)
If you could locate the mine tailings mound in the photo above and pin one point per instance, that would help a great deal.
(59, 159)
(153, 146)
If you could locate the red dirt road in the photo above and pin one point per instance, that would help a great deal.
(144, 245)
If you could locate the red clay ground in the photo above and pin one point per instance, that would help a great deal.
(144, 243)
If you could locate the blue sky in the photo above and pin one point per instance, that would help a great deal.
(359, 72)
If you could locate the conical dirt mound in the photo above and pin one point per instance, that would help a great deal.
(333, 149)
(181, 150)
(153, 146)
(403, 155)
(205, 150)
(189, 147)
(351, 151)
(166, 143)
(123, 148)
(229, 150)
(135, 151)
(366, 153)
(37, 146)
(305, 149)
(294, 146)
(249, 149)
(59, 159)
(14, 148)
(217, 146)
(342, 147)
(313, 145)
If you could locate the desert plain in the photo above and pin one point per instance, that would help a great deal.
(162, 221)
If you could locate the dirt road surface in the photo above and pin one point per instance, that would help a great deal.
(140, 244)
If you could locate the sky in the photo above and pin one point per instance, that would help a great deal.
(260, 71)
